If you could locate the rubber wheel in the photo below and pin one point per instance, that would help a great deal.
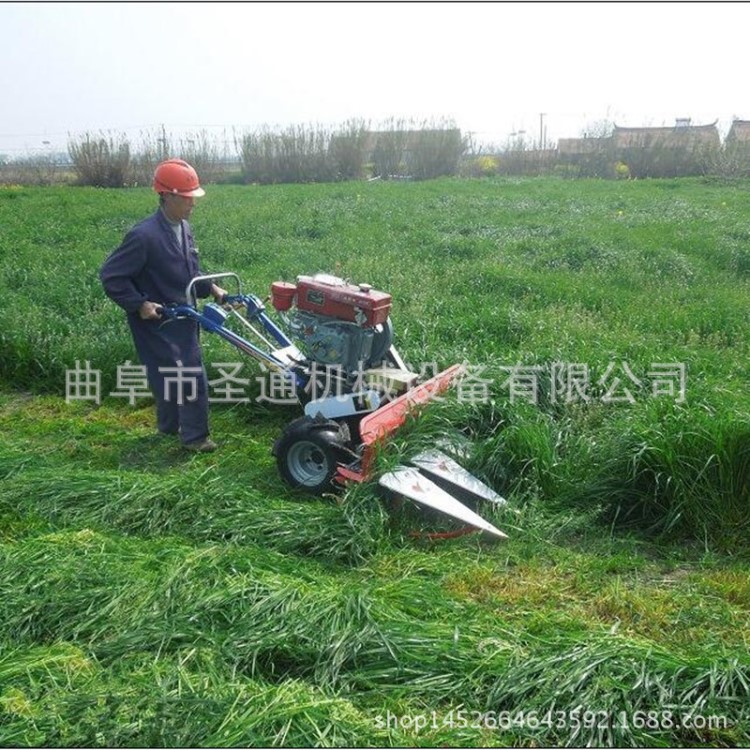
(308, 453)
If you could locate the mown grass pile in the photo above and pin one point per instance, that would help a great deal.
(148, 597)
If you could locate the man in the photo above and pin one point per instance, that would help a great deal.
(152, 267)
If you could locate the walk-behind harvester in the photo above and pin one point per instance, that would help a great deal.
(343, 331)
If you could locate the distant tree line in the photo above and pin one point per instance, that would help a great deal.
(398, 149)
(300, 153)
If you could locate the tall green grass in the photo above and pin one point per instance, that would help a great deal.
(530, 273)
(154, 598)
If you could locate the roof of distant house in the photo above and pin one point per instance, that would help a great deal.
(739, 131)
(680, 134)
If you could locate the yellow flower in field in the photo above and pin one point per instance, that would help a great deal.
(487, 165)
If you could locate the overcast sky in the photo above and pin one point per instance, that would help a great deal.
(494, 69)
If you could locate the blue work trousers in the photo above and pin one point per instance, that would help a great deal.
(173, 359)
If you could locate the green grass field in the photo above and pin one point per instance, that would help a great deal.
(154, 598)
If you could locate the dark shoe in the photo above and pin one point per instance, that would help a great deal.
(201, 446)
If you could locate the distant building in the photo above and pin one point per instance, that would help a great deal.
(682, 149)
(586, 157)
(739, 133)
(677, 151)
(736, 155)
(581, 146)
(682, 135)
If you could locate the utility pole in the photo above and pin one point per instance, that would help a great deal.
(542, 139)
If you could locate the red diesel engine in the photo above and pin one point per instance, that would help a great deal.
(336, 323)
(333, 297)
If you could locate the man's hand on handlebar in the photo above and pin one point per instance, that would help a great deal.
(149, 311)
(218, 294)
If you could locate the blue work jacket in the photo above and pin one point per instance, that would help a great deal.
(151, 265)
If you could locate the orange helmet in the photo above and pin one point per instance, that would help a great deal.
(177, 177)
